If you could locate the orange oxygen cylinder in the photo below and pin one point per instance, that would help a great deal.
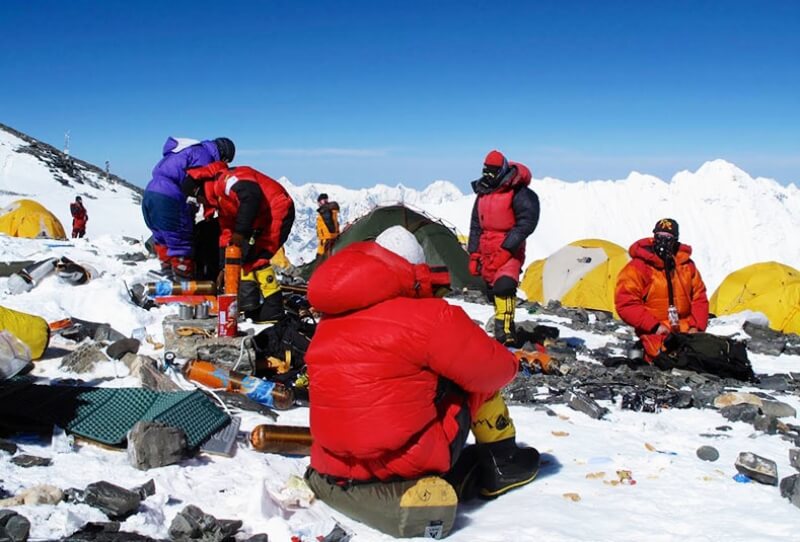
(281, 439)
(272, 394)
(233, 268)
(536, 361)
(185, 287)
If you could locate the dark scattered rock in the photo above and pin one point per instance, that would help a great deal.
(152, 444)
(105, 332)
(146, 489)
(549, 411)
(778, 409)
(13, 526)
(707, 453)
(794, 458)
(132, 257)
(790, 489)
(743, 412)
(192, 523)
(25, 461)
(767, 424)
(758, 468)
(600, 394)
(723, 428)
(116, 502)
(146, 370)
(764, 340)
(261, 537)
(8, 446)
(84, 358)
(776, 382)
(121, 347)
(582, 403)
(105, 532)
(337, 534)
(704, 397)
(83, 329)
(791, 437)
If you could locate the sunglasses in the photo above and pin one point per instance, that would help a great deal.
(491, 171)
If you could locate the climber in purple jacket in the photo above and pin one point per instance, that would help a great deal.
(166, 211)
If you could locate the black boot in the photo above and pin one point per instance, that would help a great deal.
(505, 336)
(465, 474)
(505, 466)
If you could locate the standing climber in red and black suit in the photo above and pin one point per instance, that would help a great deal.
(256, 213)
(79, 217)
(505, 213)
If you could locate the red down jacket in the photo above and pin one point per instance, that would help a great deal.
(248, 201)
(642, 297)
(375, 362)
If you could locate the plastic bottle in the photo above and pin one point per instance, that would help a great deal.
(233, 268)
(674, 320)
(272, 394)
(186, 287)
(281, 439)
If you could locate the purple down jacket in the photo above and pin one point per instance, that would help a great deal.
(165, 210)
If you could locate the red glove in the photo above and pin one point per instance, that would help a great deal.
(182, 267)
(475, 264)
(499, 258)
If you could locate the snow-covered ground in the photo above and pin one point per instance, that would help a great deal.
(676, 496)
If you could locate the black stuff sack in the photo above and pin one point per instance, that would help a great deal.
(706, 353)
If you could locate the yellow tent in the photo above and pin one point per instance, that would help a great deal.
(580, 274)
(27, 218)
(771, 288)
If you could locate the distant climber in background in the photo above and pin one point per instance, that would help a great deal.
(79, 217)
(505, 213)
(327, 223)
(660, 291)
(165, 210)
(256, 213)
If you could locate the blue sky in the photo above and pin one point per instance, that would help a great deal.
(361, 92)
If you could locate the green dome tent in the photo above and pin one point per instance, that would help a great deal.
(440, 243)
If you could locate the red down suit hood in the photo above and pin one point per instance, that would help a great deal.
(376, 360)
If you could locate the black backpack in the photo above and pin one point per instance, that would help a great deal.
(292, 335)
(706, 353)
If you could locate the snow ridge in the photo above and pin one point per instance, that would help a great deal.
(728, 217)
